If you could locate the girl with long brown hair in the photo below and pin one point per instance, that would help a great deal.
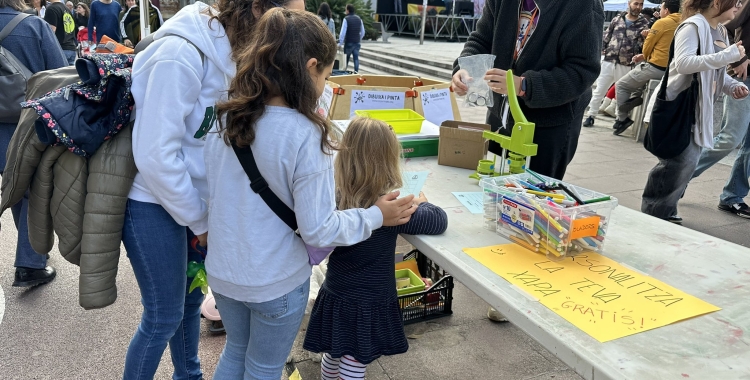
(177, 81)
(356, 317)
(258, 268)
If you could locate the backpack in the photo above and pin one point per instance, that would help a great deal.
(13, 77)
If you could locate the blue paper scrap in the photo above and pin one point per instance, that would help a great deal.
(472, 200)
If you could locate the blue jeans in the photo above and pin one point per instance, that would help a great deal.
(352, 48)
(70, 55)
(25, 255)
(158, 250)
(737, 186)
(259, 335)
(734, 126)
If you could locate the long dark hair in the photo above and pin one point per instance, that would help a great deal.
(691, 7)
(238, 19)
(85, 8)
(275, 64)
(325, 11)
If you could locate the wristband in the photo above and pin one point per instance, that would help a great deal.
(523, 87)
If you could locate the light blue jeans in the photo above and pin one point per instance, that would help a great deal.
(737, 186)
(259, 335)
(158, 250)
(734, 126)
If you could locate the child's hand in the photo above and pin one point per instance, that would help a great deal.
(420, 199)
(396, 211)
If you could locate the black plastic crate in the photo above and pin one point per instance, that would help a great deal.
(435, 302)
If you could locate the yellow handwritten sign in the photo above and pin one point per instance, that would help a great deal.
(594, 293)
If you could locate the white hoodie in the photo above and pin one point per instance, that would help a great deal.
(175, 89)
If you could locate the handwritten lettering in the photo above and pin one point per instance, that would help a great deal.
(549, 270)
(531, 280)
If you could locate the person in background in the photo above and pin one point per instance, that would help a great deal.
(69, 5)
(324, 12)
(61, 21)
(40, 7)
(105, 17)
(702, 29)
(81, 16)
(554, 50)
(352, 33)
(651, 64)
(35, 46)
(735, 123)
(130, 22)
(622, 40)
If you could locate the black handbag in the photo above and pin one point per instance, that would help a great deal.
(670, 129)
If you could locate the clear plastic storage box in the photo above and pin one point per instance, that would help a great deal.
(543, 224)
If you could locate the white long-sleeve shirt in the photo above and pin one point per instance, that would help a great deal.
(342, 35)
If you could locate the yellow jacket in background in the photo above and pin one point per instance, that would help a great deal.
(656, 46)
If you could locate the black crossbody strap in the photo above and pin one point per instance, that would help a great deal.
(663, 89)
(260, 187)
(12, 25)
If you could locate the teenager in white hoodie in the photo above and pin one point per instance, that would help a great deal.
(257, 267)
(177, 81)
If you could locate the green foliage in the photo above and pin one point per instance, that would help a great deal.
(338, 8)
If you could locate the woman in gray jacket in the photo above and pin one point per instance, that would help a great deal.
(701, 28)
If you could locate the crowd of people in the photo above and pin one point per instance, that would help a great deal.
(242, 140)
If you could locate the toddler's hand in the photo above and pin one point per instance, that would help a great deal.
(420, 199)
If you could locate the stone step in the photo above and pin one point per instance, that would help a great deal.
(370, 64)
(383, 50)
(400, 67)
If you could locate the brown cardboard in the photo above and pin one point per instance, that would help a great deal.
(346, 85)
(460, 147)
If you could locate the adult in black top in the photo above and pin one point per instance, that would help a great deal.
(558, 61)
(81, 16)
(59, 18)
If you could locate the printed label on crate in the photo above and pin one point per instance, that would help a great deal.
(437, 105)
(584, 227)
(518, 215)
(376, 100)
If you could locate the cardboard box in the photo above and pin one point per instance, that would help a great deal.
(462, 144)
(373, 92)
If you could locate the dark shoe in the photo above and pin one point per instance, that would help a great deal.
(675, 219)
(625, 124)
(616, 124)
(26, 277)
(739, 209)
(589, 122)
(630, 104)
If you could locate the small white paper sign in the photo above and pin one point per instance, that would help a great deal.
(325, 100)
(437, 106)
(376, 100)
(413, 183)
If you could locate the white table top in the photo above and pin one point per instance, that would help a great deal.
(712, 346)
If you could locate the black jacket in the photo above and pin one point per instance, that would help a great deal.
(561, 59)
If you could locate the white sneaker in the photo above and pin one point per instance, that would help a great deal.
(496, 316)
(605, 103)
(611, 109)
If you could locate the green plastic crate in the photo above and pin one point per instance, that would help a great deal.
(420, 148)
(417, 285)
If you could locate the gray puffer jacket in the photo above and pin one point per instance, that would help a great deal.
(82, 201)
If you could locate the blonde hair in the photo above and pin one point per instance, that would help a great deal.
(368, 164)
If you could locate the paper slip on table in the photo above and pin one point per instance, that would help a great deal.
(711, 346)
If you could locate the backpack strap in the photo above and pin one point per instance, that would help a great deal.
(260, 187)
(12, 25)
(143, 44)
